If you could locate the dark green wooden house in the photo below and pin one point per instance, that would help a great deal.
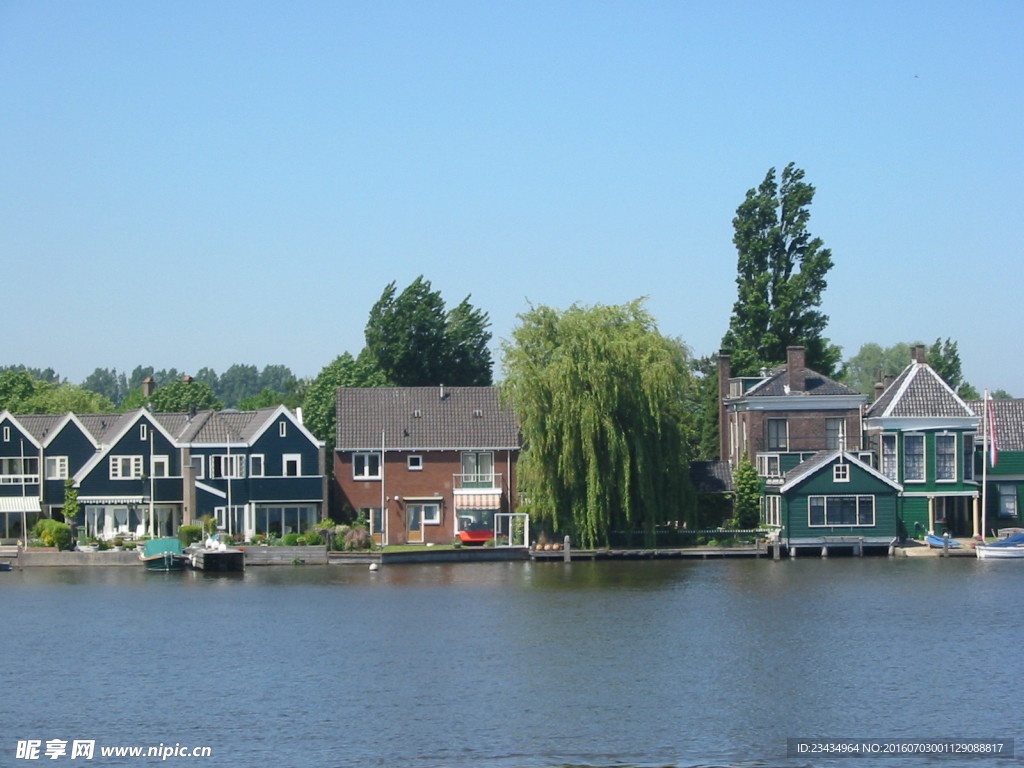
(832, 499)
(1002, 468)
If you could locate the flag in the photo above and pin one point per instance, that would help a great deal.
(990, 415)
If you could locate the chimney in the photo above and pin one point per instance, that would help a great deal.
(148, 386)
(724, 372)
(918, 353)
(879, 389)
(795, 366)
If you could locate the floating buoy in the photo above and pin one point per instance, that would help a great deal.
(373, 566)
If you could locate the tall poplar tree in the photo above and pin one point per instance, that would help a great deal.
(601, 399)
(780, 277)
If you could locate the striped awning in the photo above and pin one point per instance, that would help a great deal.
(478, 500)
(19, 504)
(110, 500)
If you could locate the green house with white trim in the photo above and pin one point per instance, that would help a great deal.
(925, 438)
(832, 499)
(1002, 467)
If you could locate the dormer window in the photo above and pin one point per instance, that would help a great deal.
(840, 473)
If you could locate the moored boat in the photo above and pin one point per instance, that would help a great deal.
(163, 555)
(1010, 548)
(214, 554)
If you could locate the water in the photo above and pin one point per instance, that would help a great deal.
(513, 665)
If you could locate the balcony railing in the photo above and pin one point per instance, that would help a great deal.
(476, 481)
(851, 443)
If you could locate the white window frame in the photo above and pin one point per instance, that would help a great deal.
(969, 456)
(291, 459)
(282, 428)
(7, 434)
(15, 470)
(257, 465)
(765, 462)
(130, 464)
(773, 510)
(56, 467)
(361, 465)
(414, 463)
(835, 439)
(889, 462)
(772, 443)
(858, 497)
(434, 509)
(226, 466)
(841, 473)
(947, 438)
(1007, 501)
(143, 432)
(923, 477)
(161, 462)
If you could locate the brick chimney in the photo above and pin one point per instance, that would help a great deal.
(724, 373)
(795, 366)
(918, 353)
(148, 385)
(879, 389)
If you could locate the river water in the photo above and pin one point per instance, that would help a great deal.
(513, 665)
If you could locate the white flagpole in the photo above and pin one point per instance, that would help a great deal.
(383, 499)
(984, 462)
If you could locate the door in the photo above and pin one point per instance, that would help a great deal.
(414, 523)
(477, 470)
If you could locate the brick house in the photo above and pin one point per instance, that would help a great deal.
(423, 464)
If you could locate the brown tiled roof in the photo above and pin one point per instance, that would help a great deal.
(424, 418)
(1009, 420)
(919, 392)
(777, 385)
(711, 476)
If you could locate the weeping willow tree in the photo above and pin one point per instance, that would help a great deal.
(600, 396)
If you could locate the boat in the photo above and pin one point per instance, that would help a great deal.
(4, 566)
(1009, 548)
(163, 555)
(940, 541)
(214, 554)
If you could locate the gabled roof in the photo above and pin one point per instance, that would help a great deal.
(919, 392)
(39, 426)
(822, 459)
(21, 426)
(1009, 422)
(711, 476)
(777, 385)
(424, 418)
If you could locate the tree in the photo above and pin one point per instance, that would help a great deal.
(944, 359)
(238, 382)
(873, 363)
(345, 371)
(16, 387)
(177, 397)
(747, 505)
(107, 382)
(600, 397)
(51, 398)
(781, 273)
(704, 409)
(415, 342)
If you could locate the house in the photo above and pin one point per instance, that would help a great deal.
(784, 416)
(1001, 465)
(832, 497)
(424, 464)
(141, 472)
(925, 438)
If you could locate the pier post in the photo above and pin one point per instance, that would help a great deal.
(824, 551)
(860, 547)
(566, 550)
(945, 544)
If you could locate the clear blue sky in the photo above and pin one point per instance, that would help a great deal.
(196, 184)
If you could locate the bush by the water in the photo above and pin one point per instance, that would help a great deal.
(190, 534)
(53, 534)
(358, 538)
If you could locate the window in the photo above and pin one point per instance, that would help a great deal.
(282, 428)
(1007, 500)
(477, 469)
(7, 434)
(143, 432)
(768, 465)
(125, 467)
(913, 458)
(840, 473)
(366, 466)
(428, 514)
(256, 465)
(19, 470)
(161, 466)
(414, 463)
(778, 435)
(945, 458)
(224, 465)
(890, 467)
(835, 431)
(292, 465)
(56, 467)
(772, 510)
(840, 510)
(968, 457)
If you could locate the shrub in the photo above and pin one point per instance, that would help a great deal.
(190, 534)
(52, 533)
(290, 540)
(358, 538)
(338, 535)
(313, 538)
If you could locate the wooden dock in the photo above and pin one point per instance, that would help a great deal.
(662, 553)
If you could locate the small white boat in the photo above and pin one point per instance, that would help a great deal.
(1005, 549)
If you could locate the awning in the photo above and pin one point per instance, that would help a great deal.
(110, 500)
(478, 500)
(19, 504)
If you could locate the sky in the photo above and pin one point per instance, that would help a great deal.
(199, 184)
